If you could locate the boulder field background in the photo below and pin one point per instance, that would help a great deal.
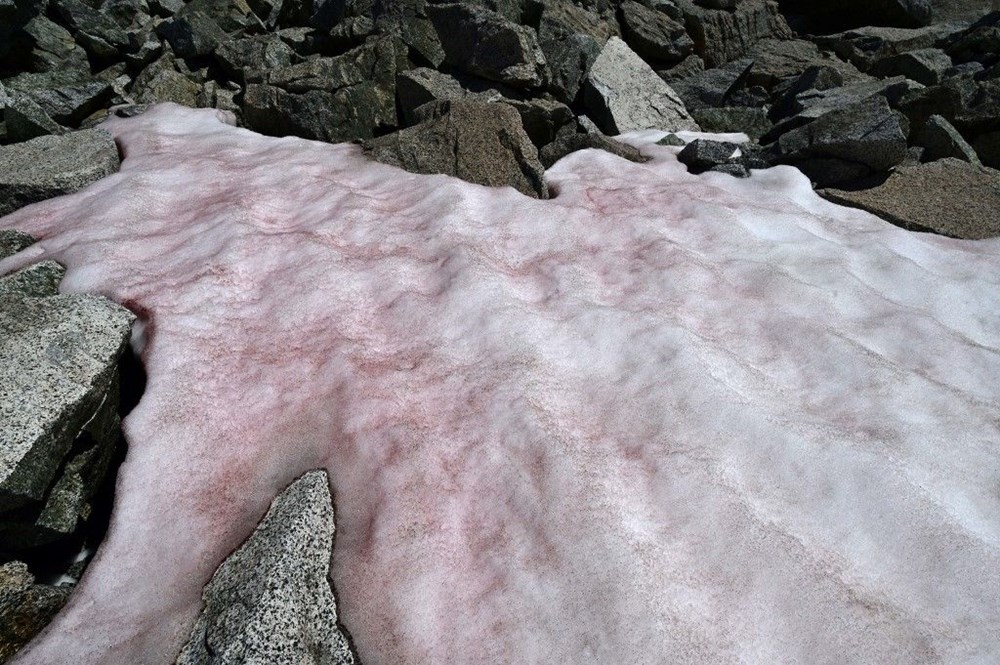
(891, 106)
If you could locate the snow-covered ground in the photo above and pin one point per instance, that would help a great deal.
(659, 418)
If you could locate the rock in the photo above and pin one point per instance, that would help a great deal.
(416, 87)
(722, 36)
(66, 96)
(940, 140)
(713, 87)
(735, 169)
(26, 120)
(483, 143)
(232, 16)
(947, 99)
(542, 118)
(672, 140)
(192, 35)
(409, 21)
(50, 166)
(988, 148)
(329, 99)
(571, 38)
(160, 81)
(255, 55)
(484, 43)
(865, 46)
(950, 196)
(776, 60)
(980, 110)
(855, 13)
(689, 66)
(652, 34)
(980, 42)
(271, 601)
(25, 607)
(702, 154)
(846, 145)
(925, 66)
(567, 142)
(751, 121)
(623, 94)
(53, 47)
(98, 34)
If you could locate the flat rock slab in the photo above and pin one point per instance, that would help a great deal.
(50, 166)
(950, 196)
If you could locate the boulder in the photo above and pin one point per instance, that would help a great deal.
(54, 165)
(98, 34)
(652, 34)
(713, 87)
(162, 81)
(721, 36)
(542, 118)
(927, 66)
(702, 154)
(777, 60)
(26, 120)
(567, 142)
(25, 607)
(248, 58)
(52, 46)
(856, 13)
(751, 121)
(192, 35)
(940, 139)
(66, 96)
(864, 46)
(980, 42)
(950, 196)
(486, 44)
(482, 143)
(408, 20)
(623, 94)
(271, 601)
(571, 38)
(846, 145)
(416, 87)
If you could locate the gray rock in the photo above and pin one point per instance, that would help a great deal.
(26, 120)
(482, 143)
(230, 15)
(713, 87)
(702, 154)
(866, 45)
(925, 66)
(751, 121)
(192, 34)
(947, 99)
(66, 96)
(672, 140)
(271, 602)
(416, 87)
(689, 66)
(53, 46)
(54, 165)
(735, 169)
(247, 58)
(486, 44)
(979, 42)
(940, 139)
(571, 38)
(654, 35)
(567, 142)
(949, 196)
(542, 118)
(776, 60)
(98, 34)
(409, 20)
(722, 36)
(847, 144)
(623, 94)
(161, 81)
(25, 607)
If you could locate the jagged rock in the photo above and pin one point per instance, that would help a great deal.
(97, 33)
(230, 15)
(713, 87)
(483, 143)
(950, 196)
(571, 38)
(847, 144)
(721, 36)
(979, 42)
(54, 165)
(925, 66)
(988, 148)
(271, 601)
(980, 110)
(689, 66)
(776, 60)
(940, 140)
(947, 100)
(751, 121)
(66, 96)
(672, 140)
(702, 154)
(409, 20)
(735, 169)
(254, 54)
(484, 43)
(623, 93)
(416, 87)
(654, 35)
(542, 118)
(192, 35)
(567, 142)
(53, 46)
(329, 99)
(126, 13)
(25, 607)
(864, 46)
(855, 13)
(26, 120)
(160, 81)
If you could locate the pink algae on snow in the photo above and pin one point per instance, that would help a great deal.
(660, 418)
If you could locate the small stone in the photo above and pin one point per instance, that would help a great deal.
(702, 154)
(672, 140)
(568, 142)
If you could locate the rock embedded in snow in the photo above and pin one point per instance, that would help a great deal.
(948, 196)
(624, 94)
(702, 154)
(50, 166)
(270, 602)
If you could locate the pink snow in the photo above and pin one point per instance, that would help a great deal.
(660, 418)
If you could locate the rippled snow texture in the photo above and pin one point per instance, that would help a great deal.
(660, 418)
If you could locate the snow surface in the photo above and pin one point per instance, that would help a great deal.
(660, 418)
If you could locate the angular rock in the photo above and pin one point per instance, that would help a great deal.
(623, 94)
(926, 66)
(751, 121)
(702, 154)
(53, 47)
(231, 16)
(484, 43)
(192, 35)
(271, 601)
(940, 139)
(846, 145)
(567, 142)
(97, 33)
(25, 607)
(483, 143)
(253, 55)
(416, 87)
(713, 87)
(948, 99)
(571, 38)
(652, 34)
(161, 81)
(866, 45)
(689, 66)
(950, 196)
(775, 60)
(722, 36)
(855, 13)
(50, 166)
(66, 96)
(26, 120)
(542, 118)
(409, 21)
(979, 42)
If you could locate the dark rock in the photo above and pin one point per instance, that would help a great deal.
(161, 81)
(192, 35)
(230, 15)
(255, 55)
(949, 196)
(988, 148)
(689, 66)
(722, 36)
(865, 46)
(567, 142)
(672, 140)
(98, 34)
(980, 111)
(947, 99)
(126, 13)
(702, 154)
(354, 31)
(271, 601)
(166, 8)
(855, 13)
(847, 144)
(979, 42)
(484, 43)
(25, 607)
(26, 120)
(145, 48)
(966, 69)
(776, 60)
(409, 21)
(623, 94)
(542, 118)
(54, 165)
(482, 143)
(66, 96)
(53, 47)
(416, 87)
(735, 169)
(925, 66)
(940, 140)
(713, 87)
(653, 34)
(751, 121)
(571, 38)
